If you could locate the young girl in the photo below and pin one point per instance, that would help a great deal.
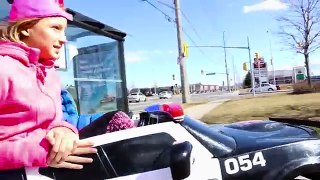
(32, 130)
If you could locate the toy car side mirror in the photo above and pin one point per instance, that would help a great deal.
(180, 160)
(155, 117)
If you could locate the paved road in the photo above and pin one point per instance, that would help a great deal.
(137, 107)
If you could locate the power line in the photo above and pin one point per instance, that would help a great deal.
(185, 16)
(204, 6)
(193, 42)
(170, 19)
(193, 28)
(165, 4)
(174, 21)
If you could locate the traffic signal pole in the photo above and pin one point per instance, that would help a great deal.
(234, 75)
(238, 47)
(226, 63)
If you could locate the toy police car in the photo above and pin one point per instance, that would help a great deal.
(168, 145)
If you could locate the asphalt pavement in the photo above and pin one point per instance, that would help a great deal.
(138, 107)
(198, 111)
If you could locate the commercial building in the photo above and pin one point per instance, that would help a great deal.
(203, 88)
(287, 76)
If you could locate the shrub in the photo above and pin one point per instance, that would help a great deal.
(303, 87)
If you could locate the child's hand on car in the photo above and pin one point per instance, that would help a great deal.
(74, 161)
(63, 141)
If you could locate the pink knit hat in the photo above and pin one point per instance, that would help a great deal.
(26, 9)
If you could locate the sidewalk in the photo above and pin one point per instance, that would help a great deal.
(198, 111)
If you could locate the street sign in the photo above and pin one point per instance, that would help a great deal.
(300, 77)
(259, 63)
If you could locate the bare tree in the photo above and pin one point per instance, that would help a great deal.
(301, 28)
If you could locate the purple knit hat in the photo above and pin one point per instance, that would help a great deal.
(120, 121)
(27, 9)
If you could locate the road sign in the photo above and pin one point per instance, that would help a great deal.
(300, 77)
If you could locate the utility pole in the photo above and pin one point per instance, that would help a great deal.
(251, 69)
(234, 74)
(225, 61)
(181, 59)
(271, 59)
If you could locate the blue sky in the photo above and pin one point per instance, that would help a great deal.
(151, 44)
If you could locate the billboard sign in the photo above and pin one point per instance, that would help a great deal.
(260, 70)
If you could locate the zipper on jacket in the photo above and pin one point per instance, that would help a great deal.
(42, 88)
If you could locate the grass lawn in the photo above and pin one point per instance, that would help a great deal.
(187, 105)
(304, 106)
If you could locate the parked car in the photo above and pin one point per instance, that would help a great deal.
(107, 99)
(165, 95)
(136, 97)
(265, 87)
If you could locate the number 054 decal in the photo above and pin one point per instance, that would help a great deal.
(244, 163)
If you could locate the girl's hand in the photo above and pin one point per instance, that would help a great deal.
(76, 162)
(63, 141)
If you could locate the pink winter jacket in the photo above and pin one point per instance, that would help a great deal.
(30, 105)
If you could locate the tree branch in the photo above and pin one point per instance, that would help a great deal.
(302, 25)
(293, 37)
(313, 48)
(290, 23)
(312, 39)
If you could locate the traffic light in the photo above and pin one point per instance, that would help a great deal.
(256, 55)
(185, 50)
(173, 78)
(244, 67)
